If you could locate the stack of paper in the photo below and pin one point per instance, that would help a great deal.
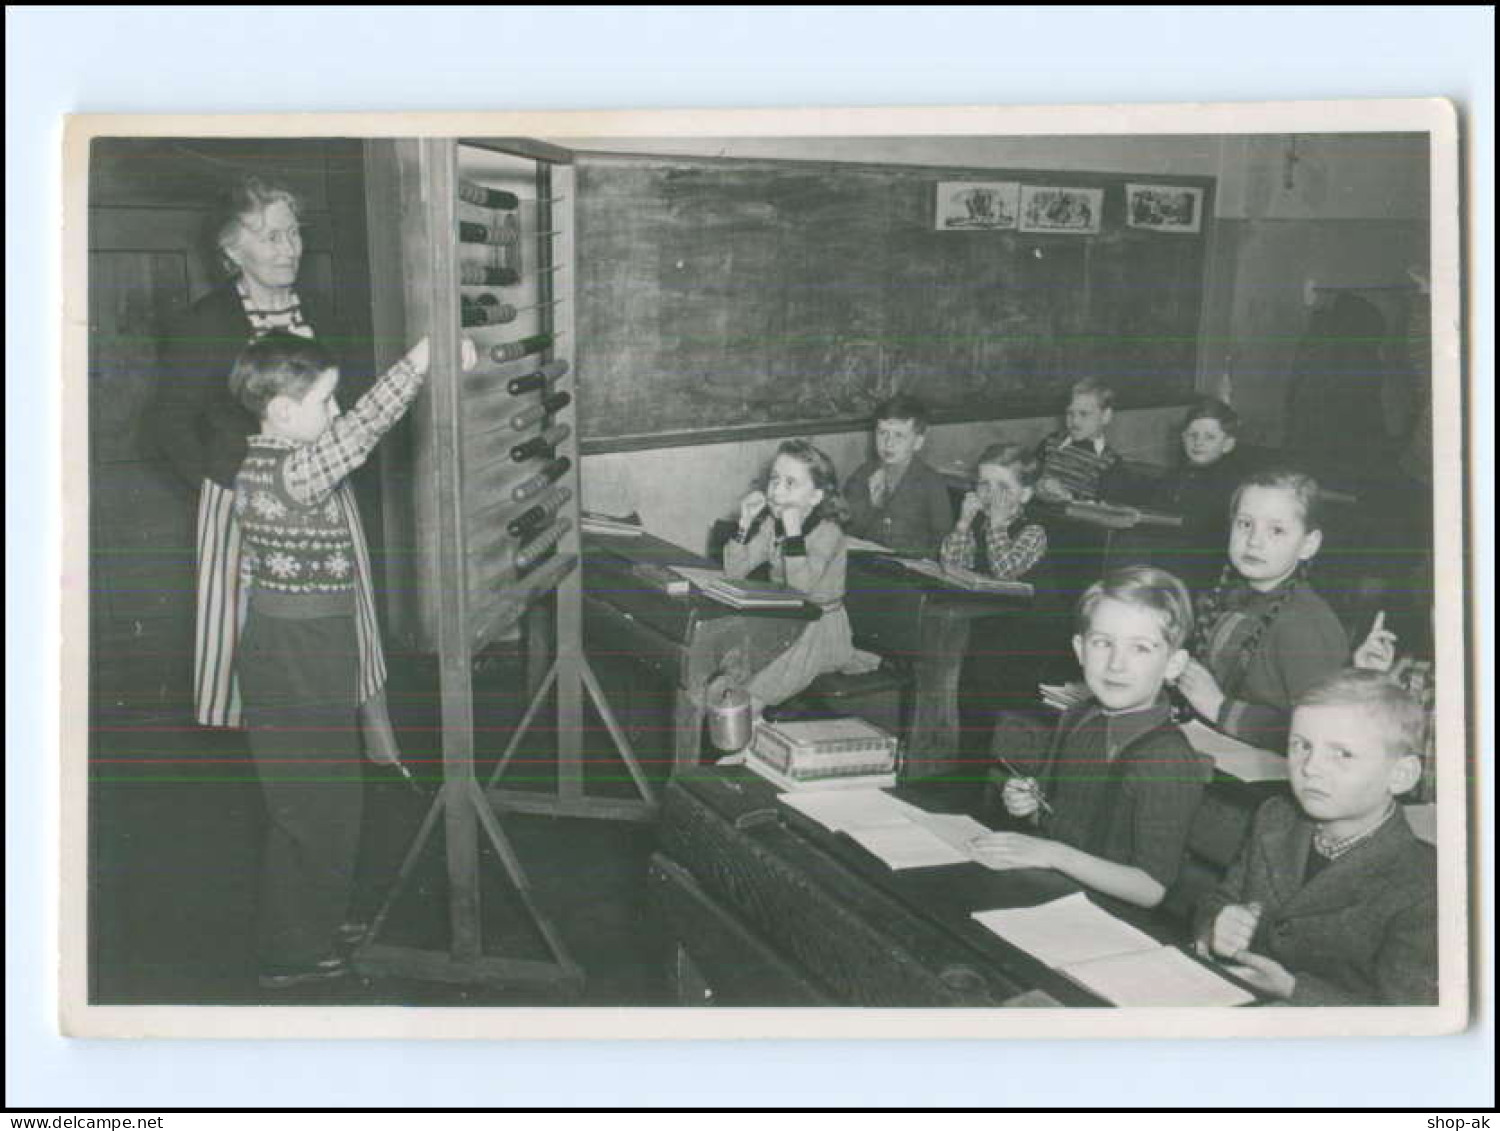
(1108, 956)
(595, 523)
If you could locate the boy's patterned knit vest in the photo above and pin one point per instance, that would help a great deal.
(291, 549)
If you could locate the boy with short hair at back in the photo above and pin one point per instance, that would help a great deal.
(299, 651)
(897, 499)
(1333, 899)
(1077, 463)
(1123, 781)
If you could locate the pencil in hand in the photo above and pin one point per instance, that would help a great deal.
(1028, 783)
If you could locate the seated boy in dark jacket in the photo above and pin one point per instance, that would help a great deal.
(897, 499)
(1333, 900)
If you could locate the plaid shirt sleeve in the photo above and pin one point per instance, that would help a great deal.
(957, 550)
(1012, 557)
(313, 472)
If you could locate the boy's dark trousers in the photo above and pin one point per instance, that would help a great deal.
(299, 679)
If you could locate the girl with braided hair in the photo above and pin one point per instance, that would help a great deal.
(1264, 636)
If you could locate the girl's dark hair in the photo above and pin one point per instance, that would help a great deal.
(1212, 408)
(824, 476)
(238, 201)
(1305, 489)
(1018, 457)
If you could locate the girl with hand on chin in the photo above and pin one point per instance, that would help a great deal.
(796, 524)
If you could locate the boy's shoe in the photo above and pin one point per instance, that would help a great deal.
(275, 977)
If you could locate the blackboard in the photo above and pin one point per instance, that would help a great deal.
(725, 298)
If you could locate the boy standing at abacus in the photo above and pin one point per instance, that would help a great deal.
(897, 499)
(1077, 462)
(1333, 899)
(299, 653)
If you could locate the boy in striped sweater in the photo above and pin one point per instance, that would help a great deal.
(1078, 462)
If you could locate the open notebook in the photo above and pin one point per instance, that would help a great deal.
(895, 832)
(1108, 956)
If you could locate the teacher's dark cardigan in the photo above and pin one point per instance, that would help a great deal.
(195, 423)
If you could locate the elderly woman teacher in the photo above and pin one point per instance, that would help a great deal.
(201, 430)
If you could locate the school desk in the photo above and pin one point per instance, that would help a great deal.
(682, 640)
(762, 906)
(1083, 543)
(906, 615)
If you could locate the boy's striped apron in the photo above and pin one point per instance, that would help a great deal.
(222, 595)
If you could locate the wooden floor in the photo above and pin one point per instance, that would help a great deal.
(176, 823)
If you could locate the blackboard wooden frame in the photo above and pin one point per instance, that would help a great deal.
(611, 426)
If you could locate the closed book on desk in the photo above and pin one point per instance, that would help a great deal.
(660, 577)
(822, 750)
(741, 593)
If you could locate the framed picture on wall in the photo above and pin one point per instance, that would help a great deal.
(1164, 208)
(986, 206)
(1074, 211)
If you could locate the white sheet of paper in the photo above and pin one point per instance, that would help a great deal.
(952, 829)
(843, 809)
(1066, 930)
(1164, 976)
(866, 546)
(907, 845)
(1236, 758)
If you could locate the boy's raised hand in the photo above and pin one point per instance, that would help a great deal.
(1378, 652)
(419, 357)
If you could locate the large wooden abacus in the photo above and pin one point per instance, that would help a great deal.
(480, 235)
